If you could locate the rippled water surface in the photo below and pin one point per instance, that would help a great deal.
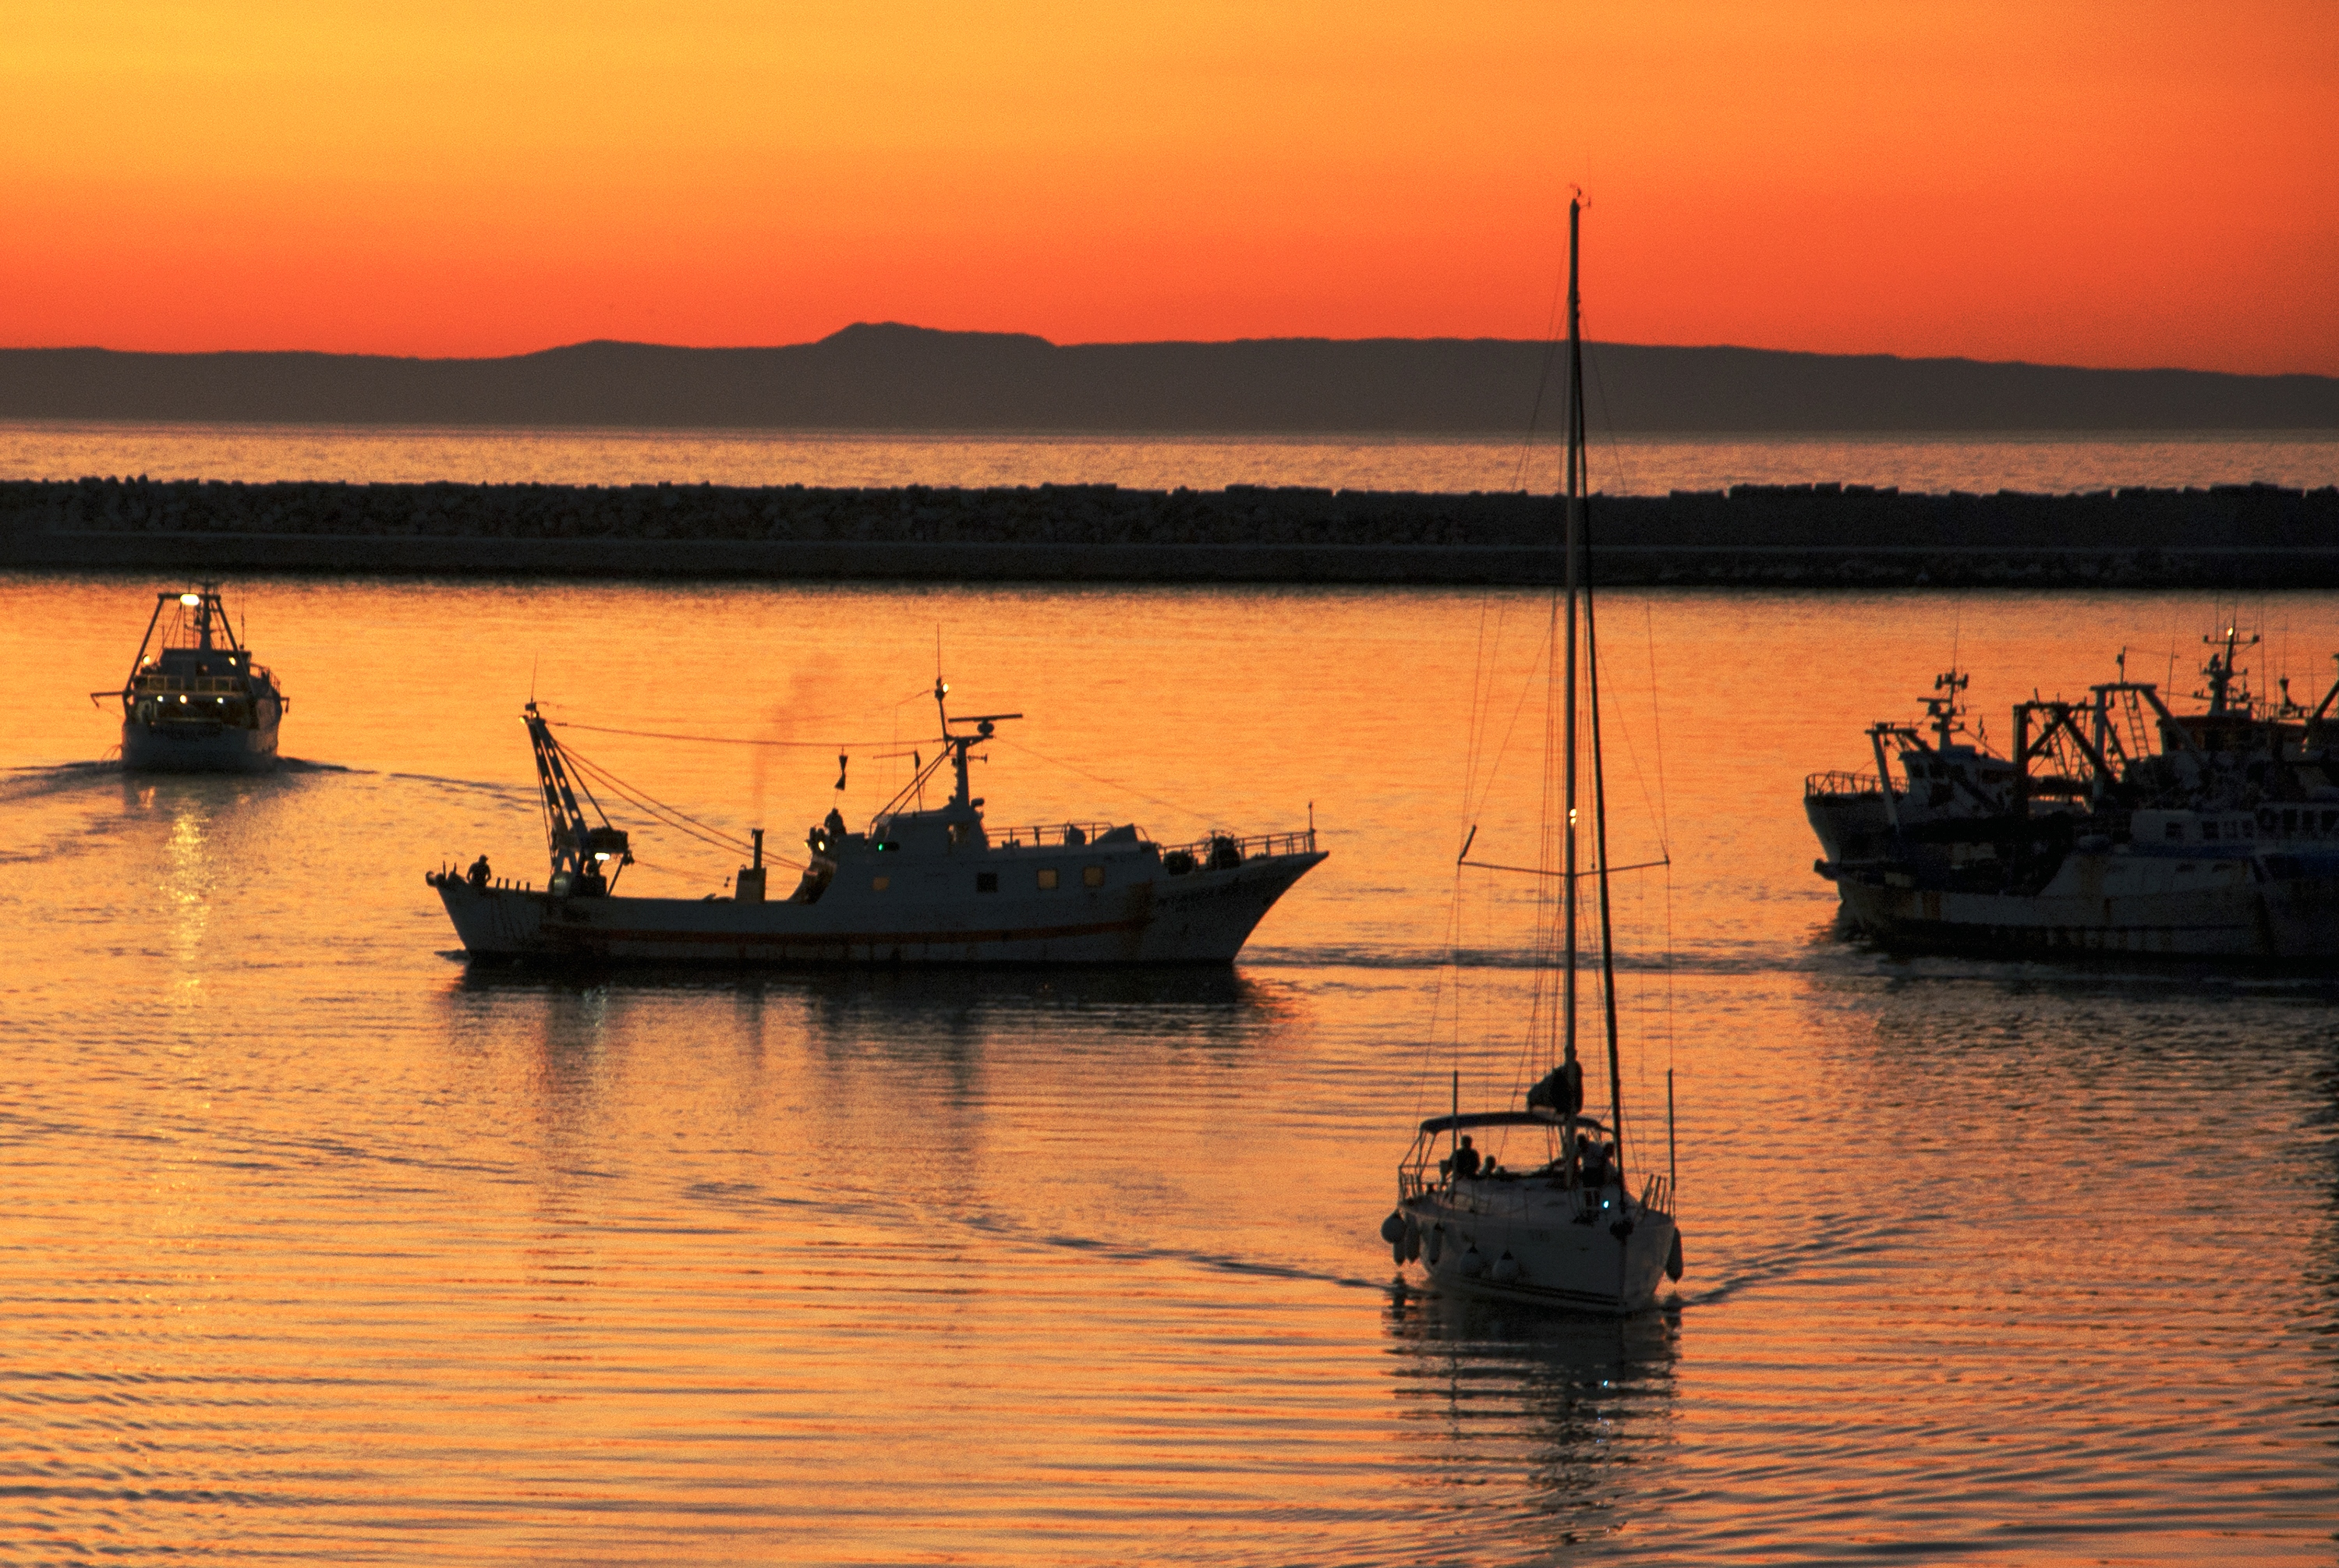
(2052, 462)
(316, 1246)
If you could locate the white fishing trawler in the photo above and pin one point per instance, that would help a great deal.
(194, 702)
(917, 886)
(1560, 1226)
(2116, 827)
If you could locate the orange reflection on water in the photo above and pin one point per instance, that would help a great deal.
(320, 1244)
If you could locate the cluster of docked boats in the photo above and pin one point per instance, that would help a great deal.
(2112, 826)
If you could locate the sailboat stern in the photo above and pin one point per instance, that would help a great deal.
(1572, 1256)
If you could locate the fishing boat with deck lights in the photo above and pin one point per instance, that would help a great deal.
(917, 886)
(194, 701)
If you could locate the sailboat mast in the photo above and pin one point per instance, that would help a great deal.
(1574, 544)
(1600, 863)
(1580, 545)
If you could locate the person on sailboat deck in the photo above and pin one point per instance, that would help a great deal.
(480, 874)
(1465, 1161)
(1562, 1088)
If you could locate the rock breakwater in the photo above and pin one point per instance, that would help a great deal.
(2254, 535)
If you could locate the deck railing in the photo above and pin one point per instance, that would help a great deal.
(1657, 1193)
(1835, 781)
(1049, 834)
(1222, 851)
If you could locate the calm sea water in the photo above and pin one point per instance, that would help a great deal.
(316, 1246)
(2054, 463)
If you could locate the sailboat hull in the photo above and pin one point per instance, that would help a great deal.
(1542, 1255)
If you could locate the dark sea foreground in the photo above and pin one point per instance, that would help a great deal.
(318, 1245)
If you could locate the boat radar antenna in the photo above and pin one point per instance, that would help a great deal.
(2221, 674)
(1946, 708)
(955, 743)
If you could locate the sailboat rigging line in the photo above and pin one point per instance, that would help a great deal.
(1527, 689)
(1600, 834)
(1475, 737)
(1109, 784)
(711, 740)
(1657, 731)
(1543, 380)
(1532, 871)
(1608, 420)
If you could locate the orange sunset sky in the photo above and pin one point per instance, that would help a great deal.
(2121, 184)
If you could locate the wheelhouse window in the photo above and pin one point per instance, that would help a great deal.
(986, 882)
(1092, 876)
(1047, 879)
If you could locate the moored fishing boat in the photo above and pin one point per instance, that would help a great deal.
(194, 701)
(917, 886)
(2116, 827)
(1563, 1227)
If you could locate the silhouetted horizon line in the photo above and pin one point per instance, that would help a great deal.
(888, 376)
(846, 333)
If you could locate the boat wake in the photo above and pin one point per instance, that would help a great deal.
(502, 791)
(1000, 1229)
(27, 783)
(1821, 1238)
(1134, 1252)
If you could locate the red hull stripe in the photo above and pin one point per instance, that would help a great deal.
(843, 939)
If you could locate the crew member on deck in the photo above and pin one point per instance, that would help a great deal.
(478, 873)
(1465, 1161)
(1562, 1088)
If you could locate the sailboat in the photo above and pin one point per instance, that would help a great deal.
(1567, 1230)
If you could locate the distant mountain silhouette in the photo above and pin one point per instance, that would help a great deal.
(888, 377)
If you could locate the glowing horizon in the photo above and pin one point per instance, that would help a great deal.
(2112, 187)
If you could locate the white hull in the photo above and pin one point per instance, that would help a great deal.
(2113, 904)
(192, 748)
(1202, 917)
(1555, 1260)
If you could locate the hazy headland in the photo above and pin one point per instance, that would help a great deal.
(887, 377)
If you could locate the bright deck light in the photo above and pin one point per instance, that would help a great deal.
(191, 600)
